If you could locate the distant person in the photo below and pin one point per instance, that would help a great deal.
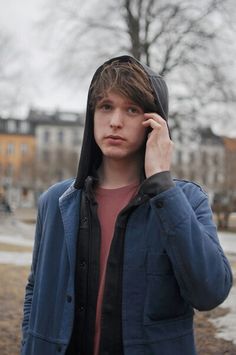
(4, 205)
(123, 253)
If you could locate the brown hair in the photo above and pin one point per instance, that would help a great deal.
(127, 78)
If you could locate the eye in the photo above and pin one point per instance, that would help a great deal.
(134, 110)
(104, 107)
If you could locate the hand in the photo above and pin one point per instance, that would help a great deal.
(159, 146)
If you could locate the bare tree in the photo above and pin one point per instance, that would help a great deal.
(182, 40)
(10, 73)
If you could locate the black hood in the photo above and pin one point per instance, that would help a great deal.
(90, 157)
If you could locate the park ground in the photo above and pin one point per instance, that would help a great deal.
(210, 327)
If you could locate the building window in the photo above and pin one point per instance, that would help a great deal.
(204, 178)
(11, 126)
(179, 157)
(2, 124)
(204, 158)
(192, 175)
(10, 149)
(192, 157)
(217, 160)
(59, 175)
(61, 137)
(25, 170)
(24, 127)
(9, 170)
(46, 136)
(24, 148)
(60, 155)
(46, 156)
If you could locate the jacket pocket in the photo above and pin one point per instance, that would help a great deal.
(37, 345)
(163, 300)
(179, 330)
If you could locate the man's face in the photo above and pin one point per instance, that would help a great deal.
(118, 129)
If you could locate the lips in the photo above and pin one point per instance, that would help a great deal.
(115, 137)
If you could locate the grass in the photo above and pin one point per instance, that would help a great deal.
(12, 290)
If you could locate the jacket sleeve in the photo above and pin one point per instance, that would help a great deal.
(190, 239)
(30, 284)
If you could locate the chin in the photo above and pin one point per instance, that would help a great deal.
(115, 156)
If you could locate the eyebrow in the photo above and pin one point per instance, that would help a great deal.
(104, 99)
(107, 100)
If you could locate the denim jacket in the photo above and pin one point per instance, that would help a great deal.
(172, 263)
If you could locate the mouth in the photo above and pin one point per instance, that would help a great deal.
(115, 137)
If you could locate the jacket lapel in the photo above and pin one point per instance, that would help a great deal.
(69, 204)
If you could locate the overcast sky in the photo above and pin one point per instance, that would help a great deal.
(42, 90)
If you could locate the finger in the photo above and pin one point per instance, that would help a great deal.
(152, 123)
(155, 117)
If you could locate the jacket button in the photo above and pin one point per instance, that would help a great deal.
(68, 298)
(81, 308)
(82, 264)
(159, 204)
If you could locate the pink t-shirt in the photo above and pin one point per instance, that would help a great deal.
(110, 203)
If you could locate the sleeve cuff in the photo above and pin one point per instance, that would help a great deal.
(157, 183)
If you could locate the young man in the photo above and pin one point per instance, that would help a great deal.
(123, 253)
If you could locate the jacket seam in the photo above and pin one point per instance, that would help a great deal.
(49, 340)
(170, 321)
(143, 342)
(199, 203)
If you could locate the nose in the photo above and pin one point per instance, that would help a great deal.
(116, 119)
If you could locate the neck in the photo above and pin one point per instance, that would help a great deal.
(115, 174)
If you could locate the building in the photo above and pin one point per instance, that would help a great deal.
(202, 160)
(230, 163)
(58, 138)
(37, 152)
(17, 161)
(44, 148)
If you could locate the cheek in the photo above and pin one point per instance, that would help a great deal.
(141, 134)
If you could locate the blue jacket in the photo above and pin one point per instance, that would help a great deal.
(173, 262)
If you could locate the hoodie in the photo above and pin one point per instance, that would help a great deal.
(90, 157)
(165, 260)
